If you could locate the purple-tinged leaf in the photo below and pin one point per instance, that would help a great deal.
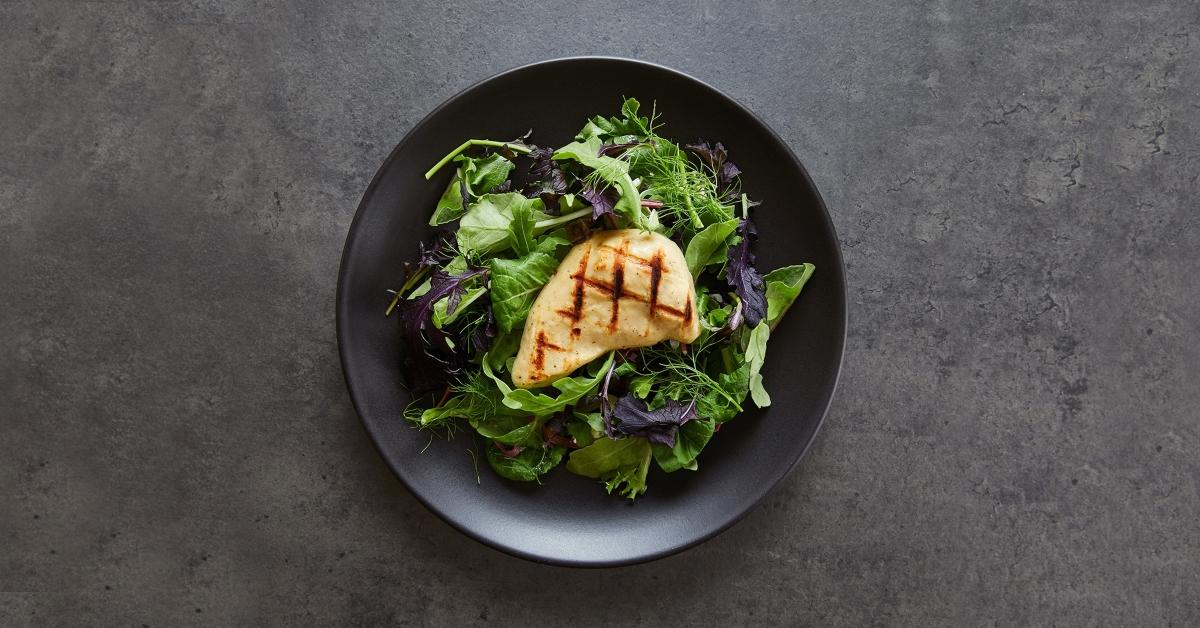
(717, 160)
(657, 426)
(602, 203)
(741, 274)
(429, 360)
(612, 150)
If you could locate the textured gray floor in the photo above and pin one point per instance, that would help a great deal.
(1014, 440)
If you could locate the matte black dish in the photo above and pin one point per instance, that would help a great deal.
(569, 520)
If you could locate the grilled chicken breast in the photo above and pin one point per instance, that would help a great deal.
(617, 290)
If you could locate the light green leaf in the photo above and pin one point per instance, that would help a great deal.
(450, 207)
(617, 462)
(704, 245)
(521, 228)
(756, 355)
(783, 286)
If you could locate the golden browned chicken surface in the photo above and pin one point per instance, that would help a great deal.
(618, 289)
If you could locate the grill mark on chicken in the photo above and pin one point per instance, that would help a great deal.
(618, 285)
(539, 353)
(656, 271)
(580, 277)
(687, 313)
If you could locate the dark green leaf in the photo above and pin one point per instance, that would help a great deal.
(526, 466)
(515, 283)
(692, 438)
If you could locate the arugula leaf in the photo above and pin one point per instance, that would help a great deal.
(570, 390)
(516, 147)
(744, 278)
(486, 227)
(515, 283)
(692, 438)
(783, 286)
(619, 463)
(705, 245)
(527, 465)
(612, 171)
(657, 426)
(756, 354)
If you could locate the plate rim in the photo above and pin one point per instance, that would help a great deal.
(341, 322)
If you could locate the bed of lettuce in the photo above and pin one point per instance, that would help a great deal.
(508, 216)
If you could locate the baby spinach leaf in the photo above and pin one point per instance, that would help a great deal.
(756, 354)
(486, 227)
(783, 286)
(527, 465)
(692, 438)
(619, 463)
(515, 283)
(704, 247)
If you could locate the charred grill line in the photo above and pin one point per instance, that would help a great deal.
(655, 277)
(580, 278)
(539, 353)
(618, 283)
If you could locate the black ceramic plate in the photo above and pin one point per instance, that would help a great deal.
(570, 520)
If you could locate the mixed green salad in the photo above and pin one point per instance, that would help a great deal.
(511, 212)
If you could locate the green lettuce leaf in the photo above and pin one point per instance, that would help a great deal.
(486, 227)
(707, 246)
(515, 283)
(783, 286)
(621, 464)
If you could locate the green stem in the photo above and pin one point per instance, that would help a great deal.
(520, 148)
(563, 219)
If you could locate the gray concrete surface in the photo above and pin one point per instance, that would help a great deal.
(1014, 441)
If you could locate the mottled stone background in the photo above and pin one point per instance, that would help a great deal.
(1015, 436)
